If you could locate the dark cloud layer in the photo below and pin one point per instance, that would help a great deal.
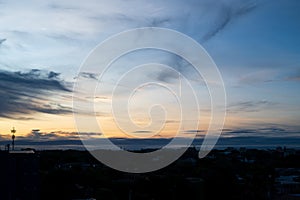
(24, 93)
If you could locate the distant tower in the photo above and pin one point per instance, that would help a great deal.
(13, 131)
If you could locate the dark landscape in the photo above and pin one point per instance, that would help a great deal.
(224, 174)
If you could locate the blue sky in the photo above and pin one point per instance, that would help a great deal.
(254, 43)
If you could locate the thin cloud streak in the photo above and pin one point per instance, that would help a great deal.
(249, 106)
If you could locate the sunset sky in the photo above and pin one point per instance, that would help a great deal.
(255, 44)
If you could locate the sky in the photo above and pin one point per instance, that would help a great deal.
(254, 43)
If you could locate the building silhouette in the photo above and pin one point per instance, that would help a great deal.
(19, 177)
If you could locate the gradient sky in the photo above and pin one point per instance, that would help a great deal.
(255, 44)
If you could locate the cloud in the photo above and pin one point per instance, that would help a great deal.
(172, 121)
(227, 12)
(37, 134)
(157, 22)
(181, 69)
(19, 118)
(294, 77)
(56, 6)
(249, 106)
(175, 62)
(261, 76)
(87, 75)
(265, 131)
(145, 131)
(220, 16)
(195, 131)
(2, 40)
(239, 131)
(269, 76)
(24, 93)
(57, 23)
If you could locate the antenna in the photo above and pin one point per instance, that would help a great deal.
(13, 131)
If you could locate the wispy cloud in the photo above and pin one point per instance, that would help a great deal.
(229, 11)
(267, 131)
(87, 75)
(258, 77)
(268, 76)
(179, 69)
(197, 131)
(57, 24)
(249, 106)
